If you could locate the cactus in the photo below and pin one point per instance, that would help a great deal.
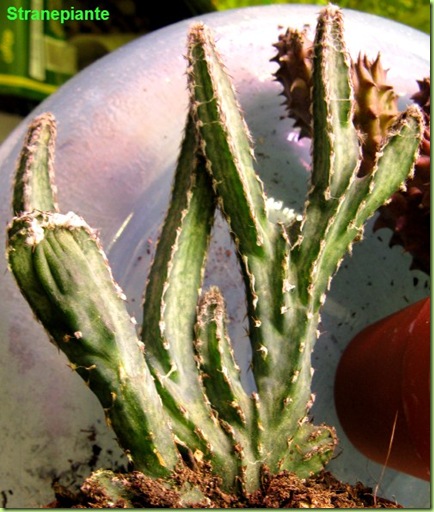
(294, 56)
(407, 213)
(375, 106)
(175, 398)
(63, 273)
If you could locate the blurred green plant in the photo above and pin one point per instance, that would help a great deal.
(415, 13)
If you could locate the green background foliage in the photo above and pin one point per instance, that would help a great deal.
(415, 13)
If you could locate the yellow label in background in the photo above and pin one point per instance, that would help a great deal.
(7, 43)
(60, 56)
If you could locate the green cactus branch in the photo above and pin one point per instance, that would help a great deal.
(175, 397)
(219, 371)
(334, 163)
(34, 181)
(337, 191)
(175, 251)
(261, 244)
(63, 273)
(226, 142)
(236, 410)
(365, 195)
(169, 313)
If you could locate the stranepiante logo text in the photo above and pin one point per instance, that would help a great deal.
(62, 15)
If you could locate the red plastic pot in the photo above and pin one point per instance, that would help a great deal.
(382, 390)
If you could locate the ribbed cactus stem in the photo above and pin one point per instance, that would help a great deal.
(339, 200)
(227, 148)
(226, 142)
(34, 186)
(219, 371)
(288, 269)
(280, 363)
(169, 312)
(220, 376)
(62, 271)
(334, 162)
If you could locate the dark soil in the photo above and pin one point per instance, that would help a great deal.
(285, 490)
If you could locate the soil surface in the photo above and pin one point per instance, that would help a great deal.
(285, 490)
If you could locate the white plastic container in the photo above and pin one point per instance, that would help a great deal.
(120, 124)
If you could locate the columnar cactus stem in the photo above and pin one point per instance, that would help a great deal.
(219, 371)
(169, 313)
(288, 269)
(337, 159)
(226, 142)
(34, 181)
(227, 148)
(364, 196)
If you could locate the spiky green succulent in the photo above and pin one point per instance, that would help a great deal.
(175, 397)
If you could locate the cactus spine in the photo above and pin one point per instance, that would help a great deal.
(176, 395)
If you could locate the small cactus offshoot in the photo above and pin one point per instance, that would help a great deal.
(174, 397)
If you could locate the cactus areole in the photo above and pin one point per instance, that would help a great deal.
(173, 394)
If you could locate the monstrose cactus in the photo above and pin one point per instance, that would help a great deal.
(174, 396)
